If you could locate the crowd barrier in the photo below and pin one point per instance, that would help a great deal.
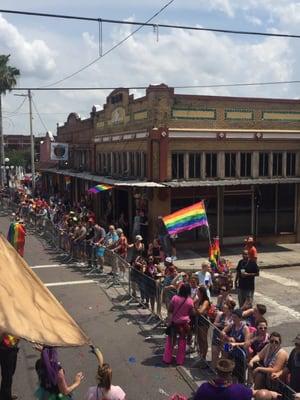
(139, 287)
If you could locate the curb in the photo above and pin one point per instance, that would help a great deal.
(187, 377)
(261, 267)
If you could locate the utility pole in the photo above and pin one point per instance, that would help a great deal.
(31, 142)
(2, 155)
(29, 95)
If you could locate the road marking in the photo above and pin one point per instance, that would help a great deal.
(279, 279)
(70, 283)
(48, 266)
(268, 301)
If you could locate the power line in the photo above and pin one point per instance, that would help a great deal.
(17, 109)
(112, 48)
(40, 118)
(221, 85)
(185, 27)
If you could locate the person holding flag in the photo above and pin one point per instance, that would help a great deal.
(16, 236)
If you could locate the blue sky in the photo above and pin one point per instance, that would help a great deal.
(46, 50)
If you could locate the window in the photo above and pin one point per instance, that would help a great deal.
(119, 163)
(211, 165)
(131, 163)
(230, 165)
(246, 165)
(144, 164)
(266, 210)
(194, 165)
(290, 164)
(124, 163)
(263, 164)
(100, 162)
(177, 165)
(237, 214)
(286, 208)
(114, 162)
(277, 164)
(138, 164)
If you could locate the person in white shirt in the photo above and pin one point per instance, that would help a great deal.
(204, 277)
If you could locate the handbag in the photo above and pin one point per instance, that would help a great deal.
(171, 327)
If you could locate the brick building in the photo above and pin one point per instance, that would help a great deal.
(165, 151)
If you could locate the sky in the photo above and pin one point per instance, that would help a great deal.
(46, 50)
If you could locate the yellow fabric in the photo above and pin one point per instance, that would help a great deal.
(28, 309)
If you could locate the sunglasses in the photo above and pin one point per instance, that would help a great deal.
(274, 342)
(222, 290)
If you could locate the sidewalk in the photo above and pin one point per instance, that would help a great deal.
(269, 256)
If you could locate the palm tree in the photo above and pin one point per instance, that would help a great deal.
(8, 79)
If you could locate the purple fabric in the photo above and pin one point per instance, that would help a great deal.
(51, 365)
(207, 391)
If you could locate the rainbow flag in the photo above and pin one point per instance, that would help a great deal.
(186, 219)
(16, 236)
(214, 254)
(13, 233)
(99, 188)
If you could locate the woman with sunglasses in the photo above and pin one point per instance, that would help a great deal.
(260, 338)
(272, 358)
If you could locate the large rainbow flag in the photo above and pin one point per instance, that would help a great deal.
(99, 188)
(16, 236)
(186, 219)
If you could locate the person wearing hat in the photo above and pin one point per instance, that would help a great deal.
(222, 387)
(292, 368)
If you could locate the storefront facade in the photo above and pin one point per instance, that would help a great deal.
(164, 151)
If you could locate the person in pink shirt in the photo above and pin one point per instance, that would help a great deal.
(105, 390)
(180, 310)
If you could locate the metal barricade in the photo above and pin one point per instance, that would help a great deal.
(286, 391)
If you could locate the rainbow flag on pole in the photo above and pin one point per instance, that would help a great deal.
(99, 188)
(214, 254)
(186, 219)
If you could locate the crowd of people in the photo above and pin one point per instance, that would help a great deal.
(249, 360)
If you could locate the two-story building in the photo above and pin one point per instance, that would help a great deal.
(164, 151)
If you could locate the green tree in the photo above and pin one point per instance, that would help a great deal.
(8, 79)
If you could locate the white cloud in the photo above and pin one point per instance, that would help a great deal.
(178, 58)
(33, 58)
(254, 20)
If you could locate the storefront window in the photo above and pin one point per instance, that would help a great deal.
(266, 209)
(286, 208)
(290, 164)
(211, 165)
(237, 214)
(246, 164)
(263, 164)
(277, 164)
(194, 165)
(230, 165)
(177, 165)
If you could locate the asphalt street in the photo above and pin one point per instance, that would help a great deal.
(136, 362)
(120, 332)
